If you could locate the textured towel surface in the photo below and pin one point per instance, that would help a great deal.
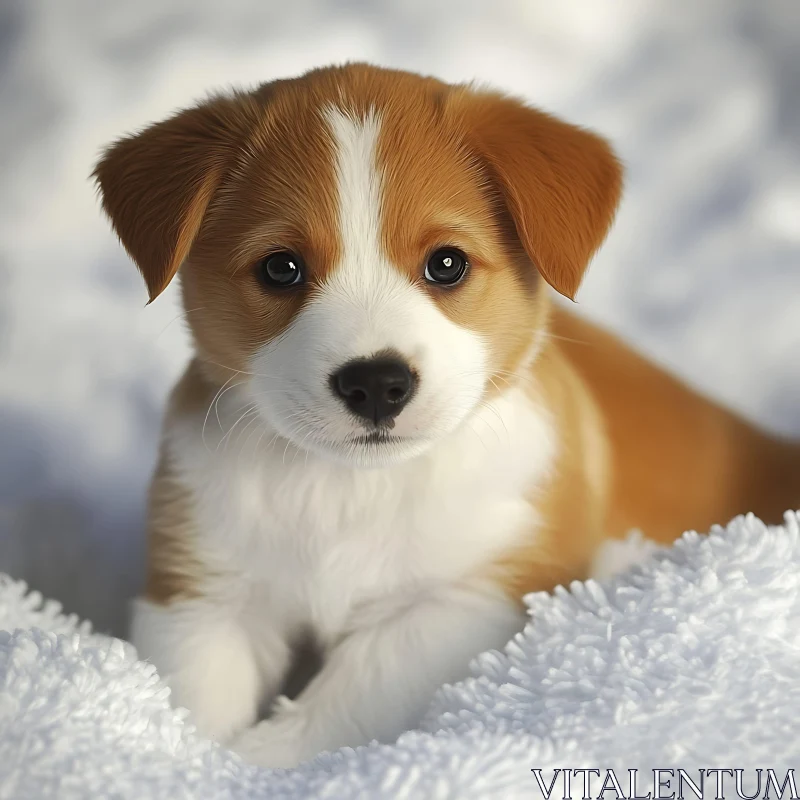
(688, 660)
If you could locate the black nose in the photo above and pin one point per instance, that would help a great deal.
(375, 388)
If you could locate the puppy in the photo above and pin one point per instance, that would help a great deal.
(389, 434)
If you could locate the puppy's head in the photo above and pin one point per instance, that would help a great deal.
(368, 248)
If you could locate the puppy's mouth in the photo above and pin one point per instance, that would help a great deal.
(374, 448)
(377, 437)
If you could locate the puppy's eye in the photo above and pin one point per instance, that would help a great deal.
(280, 270)
(446, 266)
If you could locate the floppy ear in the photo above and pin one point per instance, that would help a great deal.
(157, 184)
(561, 184)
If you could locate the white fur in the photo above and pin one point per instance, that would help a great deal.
(382, 566)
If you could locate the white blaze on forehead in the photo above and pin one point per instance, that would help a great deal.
(359, 186)
(371, 302)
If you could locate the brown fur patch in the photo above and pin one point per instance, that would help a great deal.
(157, 184)
(637, 449)
(571, 505)
(174, 571)
(561, 184)
(679, 461)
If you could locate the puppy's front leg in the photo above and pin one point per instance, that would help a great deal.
(379, 679)
(211, 663)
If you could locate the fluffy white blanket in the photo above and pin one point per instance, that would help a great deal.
(689, 660)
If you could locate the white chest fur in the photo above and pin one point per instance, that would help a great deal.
(309, 543)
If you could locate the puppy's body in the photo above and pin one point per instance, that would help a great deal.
(380, 448)
(679, 461)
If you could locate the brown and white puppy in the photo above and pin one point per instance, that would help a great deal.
(388, 435)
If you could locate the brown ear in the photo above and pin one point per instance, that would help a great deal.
(157, 184)
(561, 184)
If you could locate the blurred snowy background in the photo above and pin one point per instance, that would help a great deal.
(702, 269)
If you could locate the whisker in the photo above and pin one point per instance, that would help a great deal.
(249, 438)
(227, 435)
(296, 432)
(219, 397)
(255, 418)
(550, 335)
(258, 443)
(182, 315)
(271, 442)
(470, 427)
(205, 421)
(489, 407)
(244, 371)
(300, 446)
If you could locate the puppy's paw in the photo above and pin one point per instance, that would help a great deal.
(280, 742)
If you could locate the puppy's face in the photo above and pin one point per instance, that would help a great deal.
(366, 248)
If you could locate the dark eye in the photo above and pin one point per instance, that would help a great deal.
(446, 266)
(280, 270)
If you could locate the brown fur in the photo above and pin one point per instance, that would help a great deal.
(172, 571)
(680, 462)
(561, 184)
(529, 198)
(571, 506)
(502, 299)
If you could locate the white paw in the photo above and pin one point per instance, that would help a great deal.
(280, 742)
